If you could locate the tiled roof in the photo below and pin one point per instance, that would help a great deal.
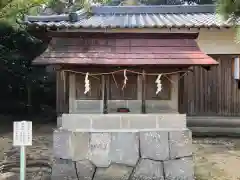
(199, 16)
(124, 52)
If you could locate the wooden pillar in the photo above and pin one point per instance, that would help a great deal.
(72, 92)
(143, 92)
(62, 92)
(66, 92)
(139, 87)
(182, 101)
(105, 93)
(59, 92)
(107, 86)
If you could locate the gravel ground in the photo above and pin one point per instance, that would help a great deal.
(40, 152)
(215, 158)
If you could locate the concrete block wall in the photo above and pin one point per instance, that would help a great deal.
(96, 106)
(135, 106)
(88, 106)
(155, 154)
(122, 121)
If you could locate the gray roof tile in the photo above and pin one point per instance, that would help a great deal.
(163, 9)
(136, 17)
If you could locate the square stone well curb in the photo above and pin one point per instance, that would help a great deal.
(136, 154)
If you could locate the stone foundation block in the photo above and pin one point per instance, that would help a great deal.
(80, 145)
(74, 121)
(180, 142)
(124, 148)
(62, 144)
(85, 170)
(154, 145)
(177, 121)
(88, 106)
(179, 169)
(99, 149)
(59, 121)
(64, 170)
(139, 122)
(113, 172)
(127, 121)
(148, 170)
(152, 154)
(106, 122)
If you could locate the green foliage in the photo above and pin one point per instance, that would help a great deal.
(60, 6)
(229, 9)
(17, 50)
(14, 9)
(25, 88)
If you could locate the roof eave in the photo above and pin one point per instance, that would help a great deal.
(55, 18)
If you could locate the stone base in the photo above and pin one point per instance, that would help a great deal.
(157, 154)
(122, 121)
(145, 169)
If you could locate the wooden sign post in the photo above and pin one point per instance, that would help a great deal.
(22, 137)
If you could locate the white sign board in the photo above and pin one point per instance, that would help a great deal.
(22, 133)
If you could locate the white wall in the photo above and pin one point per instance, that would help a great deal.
(218, 41)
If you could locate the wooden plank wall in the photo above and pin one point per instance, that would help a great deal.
(115, 88)
(214, 92)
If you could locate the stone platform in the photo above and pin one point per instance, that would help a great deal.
(123, 154)
(122, 121)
